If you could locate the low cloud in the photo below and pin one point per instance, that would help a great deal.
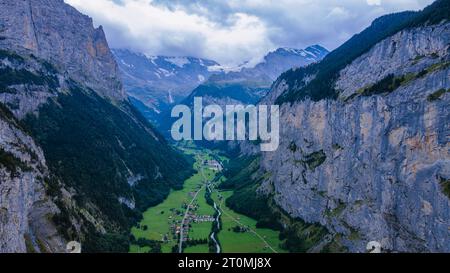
(234, 31)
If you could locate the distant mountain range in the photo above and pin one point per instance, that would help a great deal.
(273, 64)
(249, 85)
(158, 81)
(155, 82)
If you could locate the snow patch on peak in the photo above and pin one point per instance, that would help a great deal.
(151, 58)
(290, 50)
(315, 51)
(223, 68)
(200, 78)
(178, 61)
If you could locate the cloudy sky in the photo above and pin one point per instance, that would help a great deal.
(233, 31)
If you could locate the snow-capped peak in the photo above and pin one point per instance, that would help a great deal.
(178, 61)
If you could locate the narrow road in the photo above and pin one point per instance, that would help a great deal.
(180, 245)
(205, 182)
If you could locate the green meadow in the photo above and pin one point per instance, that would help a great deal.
(157, 221)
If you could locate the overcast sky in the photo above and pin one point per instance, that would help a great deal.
(233, 31)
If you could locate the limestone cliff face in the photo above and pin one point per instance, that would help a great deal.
(59, 84)
(372, 164)
(39, 27)
(40, 55)
(25, 209)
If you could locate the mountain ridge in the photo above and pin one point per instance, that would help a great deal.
(153, 81)
(251, 84)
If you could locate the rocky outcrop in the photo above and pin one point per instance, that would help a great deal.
(40, 56)
(369, 166)
(405, 53)
(39, 27)
(27, 83)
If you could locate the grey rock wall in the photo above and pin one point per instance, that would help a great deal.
(370, 168)
(40, 27)
(25, 210)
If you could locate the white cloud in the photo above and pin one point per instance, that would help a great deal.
(157, 30)
(233, 31)
(338, 13)
(374, 2)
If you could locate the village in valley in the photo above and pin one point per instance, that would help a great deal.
(176, 226)
(213, 165)
(186, 220)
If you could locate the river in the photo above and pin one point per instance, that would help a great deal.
(217, 223)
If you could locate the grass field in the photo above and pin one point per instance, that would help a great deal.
(157, 220)
(243, 242)
(137, 249)
(197, 249)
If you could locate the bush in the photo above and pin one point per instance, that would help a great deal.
(12, 163)
(445, 185)
(437, 95)
(9, 76)
(315, 159)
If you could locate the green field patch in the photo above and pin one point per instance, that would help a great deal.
(197, 249)
(137, 249)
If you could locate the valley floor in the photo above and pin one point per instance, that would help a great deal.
(168, 221)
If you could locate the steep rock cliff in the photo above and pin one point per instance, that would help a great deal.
(100, 162)
(40, 27)
(374, 163)
(25, 209)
